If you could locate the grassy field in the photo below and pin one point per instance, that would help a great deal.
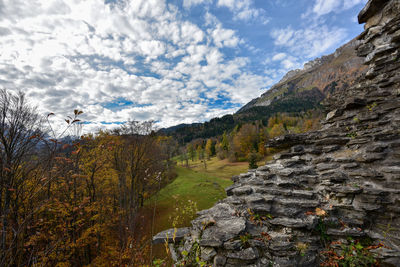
(222, 168)
(203, 187)
(200, 186)
(219, 168)
(197, 183)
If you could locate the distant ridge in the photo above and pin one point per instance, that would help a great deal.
(318, 79)
(179, 126)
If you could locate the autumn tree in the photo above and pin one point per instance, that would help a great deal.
(277, 130)
(223, 146)
(210, 148)
(200, 152)
(169, 148)
(245, 141)
(225, 142)
(19, 134)
(262, 141)
(191, 151)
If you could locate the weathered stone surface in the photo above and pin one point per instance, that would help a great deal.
(244, 190)
(247, 254)
(371, 8)
(308, 222)
(219, 261)
(326, 166)
(207, 253)
(345, 232)
(333, 114)
(171, 235)
(287, 141)
(346, 189)
(353, 103)
(223, 230)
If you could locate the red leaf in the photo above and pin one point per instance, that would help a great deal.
(76, 151)
(33, 136)
(65, 146)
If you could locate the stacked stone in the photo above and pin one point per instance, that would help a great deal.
(342, 181)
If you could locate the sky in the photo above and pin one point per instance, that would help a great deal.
(170, 61)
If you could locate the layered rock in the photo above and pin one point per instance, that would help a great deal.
(329, 187)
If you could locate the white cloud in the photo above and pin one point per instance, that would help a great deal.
(350, 3)
(247, 82)
(224, 37)
(323, 7)
(152, 48)
(190, 3)
(211, 20)
(309, 42)
(243, 10)
(287, 62)
(290, 64)
(279, 56)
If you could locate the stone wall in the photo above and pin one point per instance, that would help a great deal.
(329, 186)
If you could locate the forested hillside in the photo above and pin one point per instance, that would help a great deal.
(247, 141)
(300, 108)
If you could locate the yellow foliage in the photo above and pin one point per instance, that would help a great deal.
(277, 130)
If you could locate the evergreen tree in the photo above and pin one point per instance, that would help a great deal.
(253, 161)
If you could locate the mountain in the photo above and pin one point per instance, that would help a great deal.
(296, 92)
(318, 79)
(177, 127)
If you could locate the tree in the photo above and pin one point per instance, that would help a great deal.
(200, 152)
(245, 141)
(19, 134)
(191, 151)
(210, 148)
(253, 160)
(273, 120)
(225, 142)
(277, 130)
(169, 147)
(263, 137)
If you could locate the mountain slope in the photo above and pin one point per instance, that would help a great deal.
(318, 79)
